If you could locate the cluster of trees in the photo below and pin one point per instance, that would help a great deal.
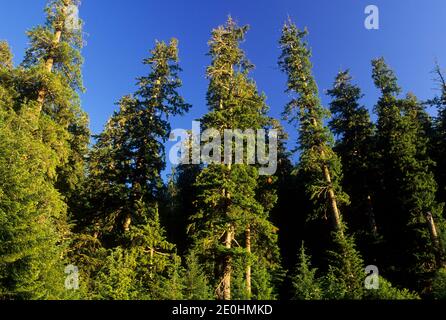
(362, 193)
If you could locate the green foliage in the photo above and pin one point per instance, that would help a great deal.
(138, 274)
(388, 292)
(196, 283)
(124, 187)
(439, 284)
(408, 188)
(107, 210)
(306, 286)
(5, 55)
(345, 278)
(116, 279)
(228, 195)
(33, 222)
(127, 160)
(66, 53)
(32, 213)
(62, 85)
(305, 109)
(352, 125)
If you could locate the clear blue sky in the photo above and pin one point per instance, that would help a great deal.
(120, 33)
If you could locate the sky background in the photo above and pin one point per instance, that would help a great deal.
(119, 35)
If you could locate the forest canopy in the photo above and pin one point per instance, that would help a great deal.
(360, 215)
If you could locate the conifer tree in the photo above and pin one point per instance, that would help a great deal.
(306, 285)
(49, 80)
(231, 223)
(54, 57)
(125, 188)
(116, 280)
(127, 160)
(345, 277)
(179, 202)
(387, 291)
(33, 225)
(319, 164)
(317, 158)
(408, 209)
(439, 285)
(196, 284)
(439, 137)
(352, 125)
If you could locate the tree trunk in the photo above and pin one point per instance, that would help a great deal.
(227, 266)
(127, 222)
(371, 216)
(248, 267)
(151, 254)
(435, 239)
(227, 263)
(336, 216)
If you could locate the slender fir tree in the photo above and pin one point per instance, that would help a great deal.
(306, 285)
(409, 212)
(317, 158)
(231, 228)
(352, 125)
(124, 185)
(54, 55)
(439, 137)
(196, 283)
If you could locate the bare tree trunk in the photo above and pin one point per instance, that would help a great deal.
(152, 252)
(227, 267)
(248, 267)
(336, 216)
(225, 291)
(127, 222)
(371, 216)
(435, 239)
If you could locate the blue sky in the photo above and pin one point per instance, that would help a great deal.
(120, 33)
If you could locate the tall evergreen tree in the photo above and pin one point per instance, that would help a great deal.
(54, 56)
(351, 123)
(124, 187)
(128, 158)
(409, 212)
(180, 199)
(231, 228)
(33, 225)
(317, 158)
(439, 137)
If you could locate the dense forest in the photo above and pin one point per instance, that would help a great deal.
(364, 196)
